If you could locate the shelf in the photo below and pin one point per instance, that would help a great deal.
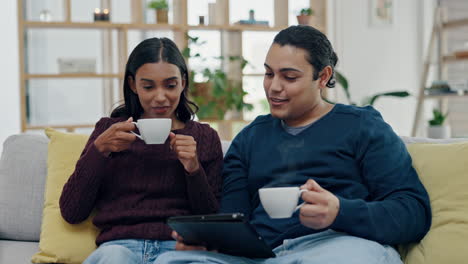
(70, 76)
(440, 96)
(235, 28)
(451, 58)
(437, 52)
(118, 38)
(74, 25)
(99, 25)
(455, 23)
(455, 57)
(70, 128)
(254, 74)
(109, 25)
(151, 26)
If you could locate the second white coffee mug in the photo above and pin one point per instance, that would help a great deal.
(280, 202)
(153, 130)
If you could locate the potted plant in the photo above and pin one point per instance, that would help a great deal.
(436, 128)
(218, 94)
(304, 16)
(161, 8)
(370, 100)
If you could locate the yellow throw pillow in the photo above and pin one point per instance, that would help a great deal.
(61, 242)
(443, 169)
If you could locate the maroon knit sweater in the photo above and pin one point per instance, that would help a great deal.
(136, 190)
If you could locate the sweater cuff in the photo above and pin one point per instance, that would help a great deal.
(346, 215)
(195, 173)
(96, 156)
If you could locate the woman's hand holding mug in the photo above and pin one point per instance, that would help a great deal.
(116, 138)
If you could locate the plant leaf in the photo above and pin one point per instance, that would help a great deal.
(374, 98)
(343, 82)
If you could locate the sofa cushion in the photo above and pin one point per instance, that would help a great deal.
(61, 242)
(443, 169)
(412, 140)
(22, 178)
(17, 252)
(225, 146)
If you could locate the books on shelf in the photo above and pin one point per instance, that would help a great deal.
(447, 88)
(253, 22)
(430, 91)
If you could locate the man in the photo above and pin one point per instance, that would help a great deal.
(363, 194)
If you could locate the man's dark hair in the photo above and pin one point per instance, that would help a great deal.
(154, 50)
(315, 43)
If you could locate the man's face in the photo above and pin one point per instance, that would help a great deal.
(289, 86)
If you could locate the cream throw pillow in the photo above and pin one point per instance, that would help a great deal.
(61, 242)
(443, 169)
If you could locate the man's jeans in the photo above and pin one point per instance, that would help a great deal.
(321, 248)
(129, 251)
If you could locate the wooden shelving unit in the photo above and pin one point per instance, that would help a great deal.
(435, 52)
(70, 76)
(231, 44)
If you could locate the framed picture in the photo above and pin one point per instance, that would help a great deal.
(381, 13)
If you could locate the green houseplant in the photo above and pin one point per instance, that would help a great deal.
(438, 118)
(437, 127)
(218, 94)
(303, 18)
(161, 8)
(370, 100)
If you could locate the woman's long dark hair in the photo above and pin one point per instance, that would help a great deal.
(154, 50)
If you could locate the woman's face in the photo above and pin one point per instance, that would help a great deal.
(289, 86)
(158, 86)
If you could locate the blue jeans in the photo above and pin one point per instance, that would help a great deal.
(128, 251)
(320, 248)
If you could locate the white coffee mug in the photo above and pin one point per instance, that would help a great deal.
(280, 202)
(153, 130)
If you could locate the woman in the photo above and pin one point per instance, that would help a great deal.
(135, 187)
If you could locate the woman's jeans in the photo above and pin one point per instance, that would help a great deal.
(129, 251)
(320, 248)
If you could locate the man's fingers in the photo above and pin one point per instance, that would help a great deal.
(312, 210)
(314, 197)
(312, 185)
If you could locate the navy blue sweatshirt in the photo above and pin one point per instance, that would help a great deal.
(350, 152)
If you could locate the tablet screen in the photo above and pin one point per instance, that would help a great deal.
(228, 233)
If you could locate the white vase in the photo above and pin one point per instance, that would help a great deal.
(438, 131)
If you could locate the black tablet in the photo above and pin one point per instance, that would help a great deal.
(228, 233)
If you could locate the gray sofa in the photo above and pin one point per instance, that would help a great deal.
(23, 171)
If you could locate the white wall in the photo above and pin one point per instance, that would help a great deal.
(9, 72)
(380, 59)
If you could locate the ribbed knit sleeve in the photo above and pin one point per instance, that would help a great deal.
(204, 185)
(236, 196)
(399, 211)
(79, 193)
